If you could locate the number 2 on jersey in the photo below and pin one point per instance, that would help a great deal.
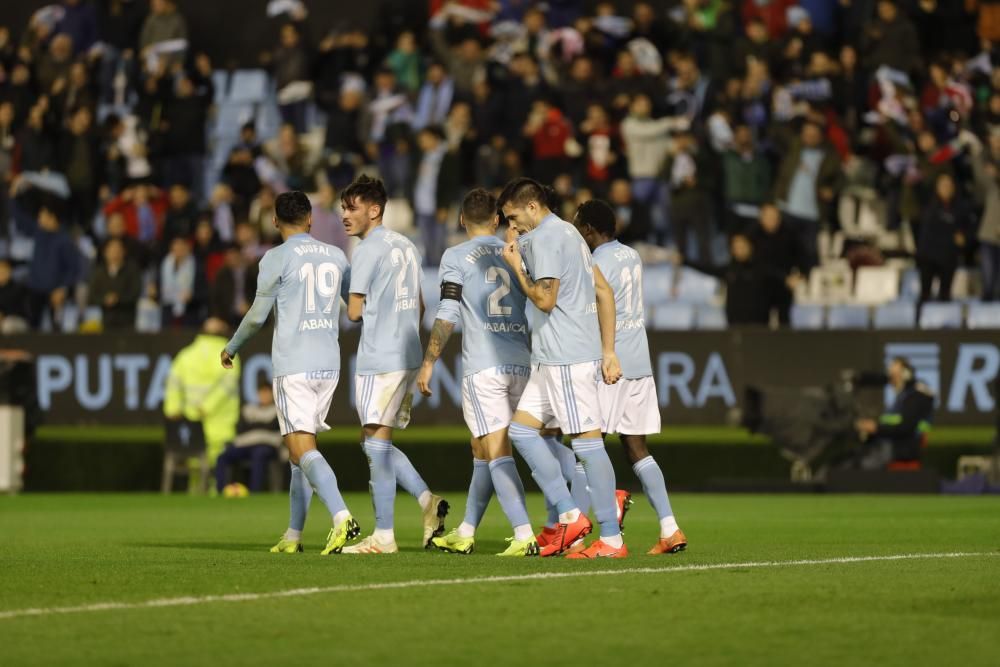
(324, 279)
(495, 309)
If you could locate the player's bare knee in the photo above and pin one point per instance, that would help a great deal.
(635, 447)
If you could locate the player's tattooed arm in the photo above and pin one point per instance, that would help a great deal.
(440, 333)
(542, 292)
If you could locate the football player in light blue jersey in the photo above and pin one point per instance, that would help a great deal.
(476, 288)
(303, 281)
(630, 407)
(385, 296)
(573, 350)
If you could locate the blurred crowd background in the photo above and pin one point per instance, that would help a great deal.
(809, 163)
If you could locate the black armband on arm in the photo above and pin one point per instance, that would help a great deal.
(451, 291)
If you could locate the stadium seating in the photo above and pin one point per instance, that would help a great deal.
(249, 85)
(656, 283)
(896, 315)
(806, 316)
(983, 316)
(710, 317)
(941, 316)
(847, 316)
(675, 316)
(696, 287)
(830, 284)
(876, 284)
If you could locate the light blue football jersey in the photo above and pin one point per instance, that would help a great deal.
(303, 280)
(494, 322)
(570, 334)
(386, 270)
(622, 268)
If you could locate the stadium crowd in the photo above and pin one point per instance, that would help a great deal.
(768, 123)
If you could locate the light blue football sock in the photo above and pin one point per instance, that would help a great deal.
(579, 488)
(544, 466)
(509, 490)
(480, 492)
(300, 493)
(382, 482)
(321, 477)
(601, 480)
(406, 475)
(649, 473)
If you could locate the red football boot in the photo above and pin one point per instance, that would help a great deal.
(544, 537)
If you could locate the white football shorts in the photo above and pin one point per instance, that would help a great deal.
(385, 399)
(490, 397)
(630, 407)
(303, 400)
(566, 395)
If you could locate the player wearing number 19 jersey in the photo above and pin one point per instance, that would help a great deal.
(385, 296)
(630, 407)
(303, 281)
(476, 288)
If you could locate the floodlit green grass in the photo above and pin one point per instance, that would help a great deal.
(68, 550)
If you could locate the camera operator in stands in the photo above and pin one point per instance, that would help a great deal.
(898, 434)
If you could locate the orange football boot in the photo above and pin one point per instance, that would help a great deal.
(669, 545)
(576, 547)
(624, 499)
(544, 537)
(566, 534)
(601, 550)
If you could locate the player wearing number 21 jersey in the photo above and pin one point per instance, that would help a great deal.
(302, 281)
(385, 297)
(476, 289)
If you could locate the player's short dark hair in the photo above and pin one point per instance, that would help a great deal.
(292, 208)
(598, 214)
(366, 189)
(479, 207)
(520, 191)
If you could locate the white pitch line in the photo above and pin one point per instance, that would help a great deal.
(415, 583)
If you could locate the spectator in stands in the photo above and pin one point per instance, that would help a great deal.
(257, 441)
(986, 168)
(345, 138)
(434, 191)
(80, 161)
(747, 283)
(163, 24)
(899, 434)
(405, 62)
(944, 229)
(55, 263)
(435, 97)
(327, 225)
(182, 214)
(891, 40)
(746, 179)
(293, 159)
(689, 176)
(601, 149)
(115, 286)
(806, 185)
(646, 142)
(548, 131)
(14, 300)
(234, 287)
(79, 22)
(177, 282)
(779, 251)
(290, 64)
(390, 134)
(144, 208)
(184, 117)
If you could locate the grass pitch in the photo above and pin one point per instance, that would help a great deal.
(767, 580)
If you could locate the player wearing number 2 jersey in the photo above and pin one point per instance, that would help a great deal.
(476, 288)
(303, 281)
(385, 296)
(630, 407)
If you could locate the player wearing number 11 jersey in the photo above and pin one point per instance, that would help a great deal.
(303, 281)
